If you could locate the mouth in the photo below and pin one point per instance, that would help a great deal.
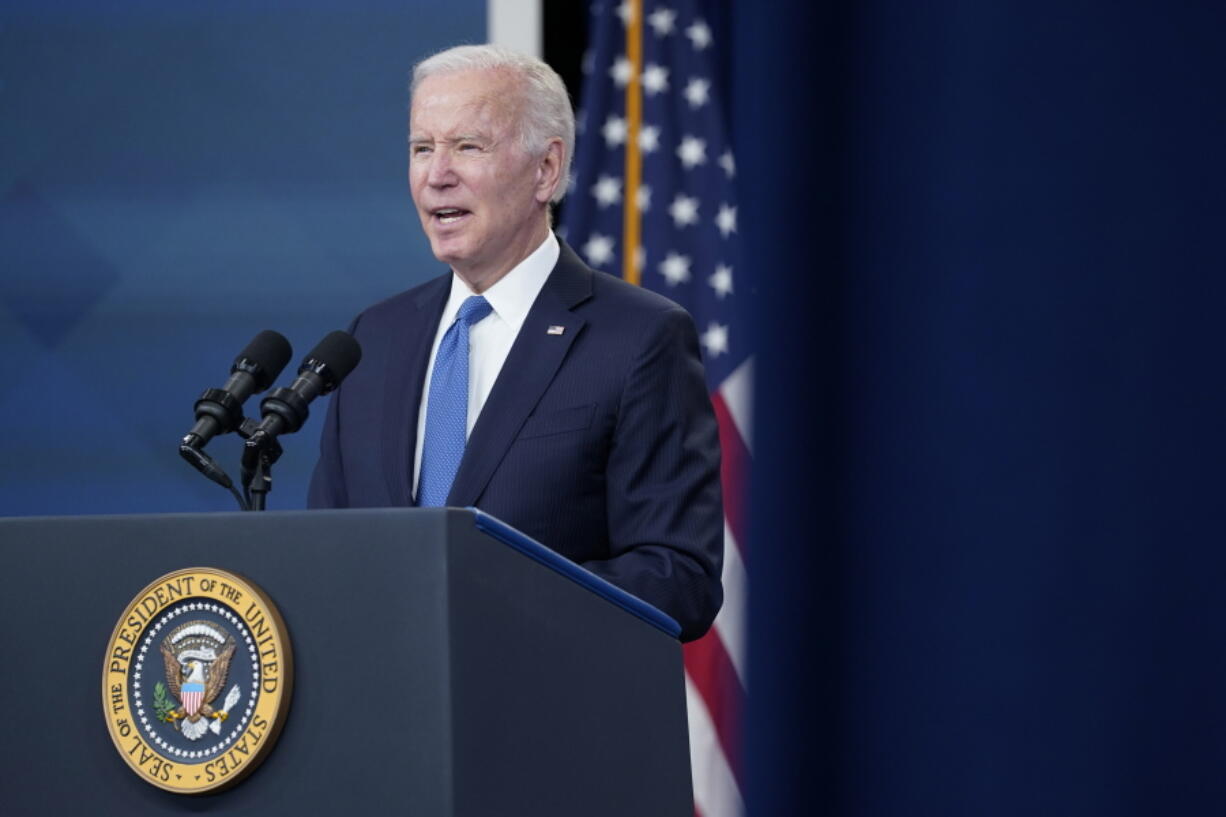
(449, 215)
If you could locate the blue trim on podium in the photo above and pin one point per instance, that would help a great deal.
(537, 552)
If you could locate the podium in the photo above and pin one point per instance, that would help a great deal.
(443, 665)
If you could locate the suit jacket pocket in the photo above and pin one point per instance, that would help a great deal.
(558, 422)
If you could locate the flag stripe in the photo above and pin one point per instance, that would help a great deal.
(716, 793)
(712, 675)
(732, 618)
(737, 392)
(734, 471)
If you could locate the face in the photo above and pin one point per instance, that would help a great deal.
(482, 200)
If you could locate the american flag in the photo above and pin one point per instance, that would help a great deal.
(653, 202)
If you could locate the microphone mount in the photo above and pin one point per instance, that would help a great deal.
(222, 407)
(260, 452)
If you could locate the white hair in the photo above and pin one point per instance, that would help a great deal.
(544, 112)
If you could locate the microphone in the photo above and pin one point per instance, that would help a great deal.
(220, 411)
(323, 369)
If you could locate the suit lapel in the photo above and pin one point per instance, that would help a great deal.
(529, 369)
(414, 336)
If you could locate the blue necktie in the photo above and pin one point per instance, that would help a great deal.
(447, 410)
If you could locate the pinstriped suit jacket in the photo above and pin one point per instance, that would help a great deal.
(599, 442)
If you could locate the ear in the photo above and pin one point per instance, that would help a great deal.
(549, 170)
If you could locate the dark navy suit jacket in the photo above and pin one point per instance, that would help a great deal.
(599, 441)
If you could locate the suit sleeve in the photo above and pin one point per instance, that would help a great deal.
(327, 489)
(665, 509)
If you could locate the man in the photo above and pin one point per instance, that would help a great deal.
(561, 400)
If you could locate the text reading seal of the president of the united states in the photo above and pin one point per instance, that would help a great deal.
(197, 680)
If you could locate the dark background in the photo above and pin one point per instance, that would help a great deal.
(987, 555)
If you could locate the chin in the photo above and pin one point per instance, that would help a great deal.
(447, 252)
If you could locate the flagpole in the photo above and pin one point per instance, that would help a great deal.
(634, 166)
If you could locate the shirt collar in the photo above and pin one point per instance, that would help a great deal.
(514, 293)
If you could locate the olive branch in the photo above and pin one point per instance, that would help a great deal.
(163, 704)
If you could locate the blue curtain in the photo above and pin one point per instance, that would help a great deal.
(988, 543)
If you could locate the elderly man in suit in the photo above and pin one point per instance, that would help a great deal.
(562, 400)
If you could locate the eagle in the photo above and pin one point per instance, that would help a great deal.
(196, 684)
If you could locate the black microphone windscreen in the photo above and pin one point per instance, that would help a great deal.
(269, 351)
(339, 352)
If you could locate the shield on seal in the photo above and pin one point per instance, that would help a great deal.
(193, 696)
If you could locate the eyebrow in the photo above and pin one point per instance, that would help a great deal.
(473, 137)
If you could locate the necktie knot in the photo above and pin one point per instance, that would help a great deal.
(474, 308)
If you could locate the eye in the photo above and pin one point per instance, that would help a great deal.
(469, 147)
(419, 150)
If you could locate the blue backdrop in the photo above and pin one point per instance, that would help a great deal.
(174, 178)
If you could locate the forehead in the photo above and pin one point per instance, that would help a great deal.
(462, 101)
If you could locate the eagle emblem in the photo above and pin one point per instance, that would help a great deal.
(197, 657)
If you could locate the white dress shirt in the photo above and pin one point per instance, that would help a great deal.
(490, 339)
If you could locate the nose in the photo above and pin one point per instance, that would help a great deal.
(440, 171)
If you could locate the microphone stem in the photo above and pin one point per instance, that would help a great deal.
(261, 477)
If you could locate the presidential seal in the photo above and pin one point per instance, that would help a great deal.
(197, 680)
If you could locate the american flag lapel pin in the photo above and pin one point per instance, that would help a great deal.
(555, 330)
